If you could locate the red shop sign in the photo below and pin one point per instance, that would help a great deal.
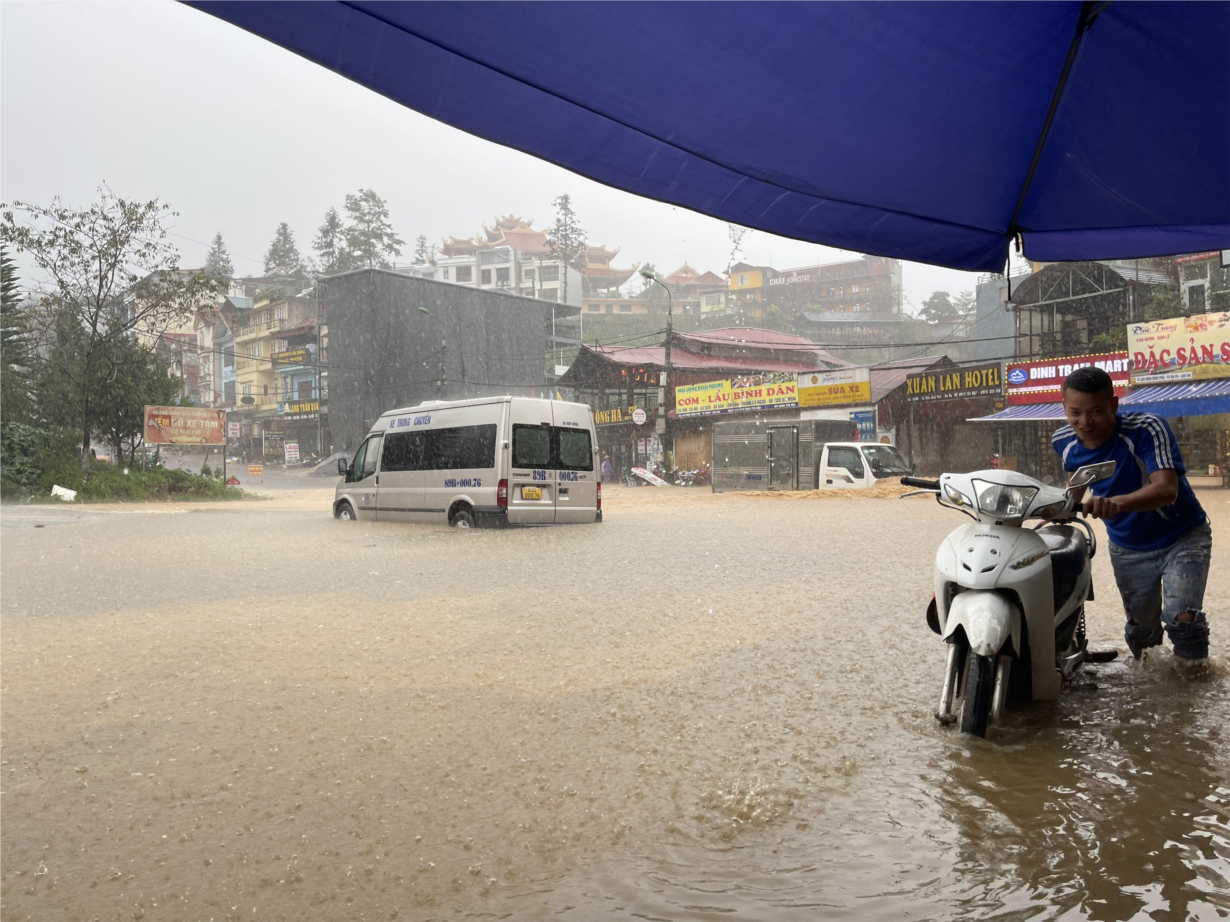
(1041, 381)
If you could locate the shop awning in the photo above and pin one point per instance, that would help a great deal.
(1037, 412)
(1195, 398)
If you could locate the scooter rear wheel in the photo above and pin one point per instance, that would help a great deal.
(979, 690)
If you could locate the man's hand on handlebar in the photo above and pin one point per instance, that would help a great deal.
(1100, 507)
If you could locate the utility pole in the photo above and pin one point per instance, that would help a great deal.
(667, 444)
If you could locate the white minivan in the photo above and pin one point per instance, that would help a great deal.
(486, 461)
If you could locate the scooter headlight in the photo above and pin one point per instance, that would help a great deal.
(1004, 501)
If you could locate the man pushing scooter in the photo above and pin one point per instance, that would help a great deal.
(1161, 540)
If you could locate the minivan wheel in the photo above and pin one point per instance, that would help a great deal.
(462, 518)
(346, 512)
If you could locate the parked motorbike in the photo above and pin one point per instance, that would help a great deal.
(1010, 600)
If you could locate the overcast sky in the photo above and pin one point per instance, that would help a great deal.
(159, 100)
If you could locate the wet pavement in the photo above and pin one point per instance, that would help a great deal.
(707, 707)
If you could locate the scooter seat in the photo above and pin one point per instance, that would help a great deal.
(1069, 550)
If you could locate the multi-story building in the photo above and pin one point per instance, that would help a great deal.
(867, 285)
(270, 373)
(747, 285)
(515, 257)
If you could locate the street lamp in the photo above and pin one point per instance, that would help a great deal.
(442, 381)
(649, 275)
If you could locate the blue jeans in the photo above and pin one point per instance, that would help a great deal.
(1160, 586)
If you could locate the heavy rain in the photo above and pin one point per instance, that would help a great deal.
(466, 461)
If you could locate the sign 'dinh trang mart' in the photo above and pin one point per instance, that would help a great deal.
(1041, 381)
(840, 388)
(1180, 349)
(184, 426)
(955, 383)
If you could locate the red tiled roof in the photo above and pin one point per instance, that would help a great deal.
(751, 336)
(689, 361)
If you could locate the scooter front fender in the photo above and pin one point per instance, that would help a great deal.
(988, 619)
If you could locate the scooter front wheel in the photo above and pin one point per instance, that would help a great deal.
(979, 691)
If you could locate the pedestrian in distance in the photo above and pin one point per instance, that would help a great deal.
(1160, 538)
(608, 470)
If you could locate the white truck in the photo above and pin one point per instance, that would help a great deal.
(855, 465)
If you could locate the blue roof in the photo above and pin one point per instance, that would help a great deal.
(926, 131)
(1039, 412)
(1195, 398)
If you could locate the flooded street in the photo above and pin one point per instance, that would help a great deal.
(707, 707)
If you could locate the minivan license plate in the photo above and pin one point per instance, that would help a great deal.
(531, 492)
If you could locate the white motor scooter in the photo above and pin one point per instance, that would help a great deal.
(1009, 600)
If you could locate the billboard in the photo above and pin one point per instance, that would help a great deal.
(1192, 348)
(1041, 381)
(955, 383)
(184, 426)
(838, 388)
(750, 392)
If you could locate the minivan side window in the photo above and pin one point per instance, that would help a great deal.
(459, 448)
(403, 451)
(531, 446)
(575, 451)
(849, 458)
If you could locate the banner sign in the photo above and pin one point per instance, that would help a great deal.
(1192, 348)
(291, 452)
(866, 422)
(291, 357)
(184, 426)
(1042, 381)
(955, 383)
(297, 410)
(232, 430)
(751, 392)
(839, 388)
(615, 416)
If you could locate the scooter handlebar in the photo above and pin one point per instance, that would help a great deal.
(920, 482)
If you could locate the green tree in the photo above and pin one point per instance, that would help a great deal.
(369, 235)
(965, 302)
(330, 244)
(566, 238)
(134, 377)
(15, 402)
(424, 252)
(108, 274)
(283, 255)
(218, 260)
(938, 307)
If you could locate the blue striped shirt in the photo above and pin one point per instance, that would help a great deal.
(1141, 445)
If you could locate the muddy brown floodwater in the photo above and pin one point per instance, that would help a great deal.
(707, 707)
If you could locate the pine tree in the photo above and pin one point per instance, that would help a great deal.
(330, 244)
(218, 260)
(369, 235)
(283, 255)
(12, 318)
(423, 251)
(566, 238)
(15, 404)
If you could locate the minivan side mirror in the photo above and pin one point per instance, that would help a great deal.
(1091, 473)
(343, 467)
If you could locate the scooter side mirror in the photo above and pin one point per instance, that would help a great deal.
(1091, 473)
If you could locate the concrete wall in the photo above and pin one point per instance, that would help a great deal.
(384, 353)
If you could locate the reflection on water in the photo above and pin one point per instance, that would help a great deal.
(717, 706)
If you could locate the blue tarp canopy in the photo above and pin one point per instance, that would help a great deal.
(1195, 398)
(1036, 412)
(933, 132)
